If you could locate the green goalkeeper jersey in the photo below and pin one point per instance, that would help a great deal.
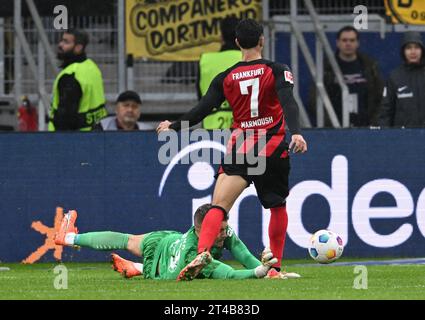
(176, 250)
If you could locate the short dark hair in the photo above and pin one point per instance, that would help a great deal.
(228, 29)
(346, 29)
(80, 36)
(248, 33)
(201, 212)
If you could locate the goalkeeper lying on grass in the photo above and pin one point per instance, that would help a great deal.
(166, 253)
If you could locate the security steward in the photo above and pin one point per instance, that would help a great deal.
(211, 64)
(78, 96)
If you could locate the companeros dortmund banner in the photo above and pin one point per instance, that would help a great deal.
(406, 11)
(180, 30)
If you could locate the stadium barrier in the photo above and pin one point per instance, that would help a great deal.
(367, 185)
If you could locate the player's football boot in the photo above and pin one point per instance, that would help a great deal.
(274, 274)
(67, 226)
(125, 267)
(194, 268)
(290, 275)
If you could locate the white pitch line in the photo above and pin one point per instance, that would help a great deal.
(414, 261)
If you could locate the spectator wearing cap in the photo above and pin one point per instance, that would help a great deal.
(128, 110)
(403, 102)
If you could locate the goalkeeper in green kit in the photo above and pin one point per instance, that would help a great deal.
(166, 253)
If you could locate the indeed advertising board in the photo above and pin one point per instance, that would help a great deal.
(367, 185)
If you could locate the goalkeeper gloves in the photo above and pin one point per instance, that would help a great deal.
(267, 260)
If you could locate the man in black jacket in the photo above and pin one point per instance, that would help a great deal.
(361, 75)
(403, 102)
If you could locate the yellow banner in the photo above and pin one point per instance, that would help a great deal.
(406, 11)
(180, 30)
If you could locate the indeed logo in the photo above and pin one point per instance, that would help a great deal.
(361, 210)
(201, 178)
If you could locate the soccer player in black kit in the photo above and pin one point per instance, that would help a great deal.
(260, 94)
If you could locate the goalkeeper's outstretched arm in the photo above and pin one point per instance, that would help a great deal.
(224, 271)
(240, 252)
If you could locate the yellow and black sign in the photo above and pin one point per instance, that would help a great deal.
(406, 11)
(180, 30)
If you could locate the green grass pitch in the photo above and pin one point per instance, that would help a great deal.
(98, 281)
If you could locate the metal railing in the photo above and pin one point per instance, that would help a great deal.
(162, 82)
(347, 100)
(327, 7)
(317, 74)
(157, 82)
(295, 24)
(102, 48)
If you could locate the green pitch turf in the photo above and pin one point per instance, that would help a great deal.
(98, 281)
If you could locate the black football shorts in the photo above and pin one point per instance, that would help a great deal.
(272, 186)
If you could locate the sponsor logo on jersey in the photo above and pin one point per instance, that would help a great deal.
(176, 249)
(288, 77)
(229, 231)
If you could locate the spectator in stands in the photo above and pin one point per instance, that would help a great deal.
(78, 97)
(361, 75)
(404, 94)
(211, 64)
(181, 72)
(128, 110)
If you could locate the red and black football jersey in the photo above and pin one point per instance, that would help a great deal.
(250, 89)
(259, 93)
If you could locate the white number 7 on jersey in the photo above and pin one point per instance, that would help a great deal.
(255, 83)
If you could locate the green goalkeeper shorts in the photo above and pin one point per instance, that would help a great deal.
(149, 246)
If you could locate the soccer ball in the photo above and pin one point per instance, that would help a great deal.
(325, 246)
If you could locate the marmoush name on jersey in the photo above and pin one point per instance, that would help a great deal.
(256, 123)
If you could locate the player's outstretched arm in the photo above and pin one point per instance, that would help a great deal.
(291, 111)
(224, 271)
(284, 89)
(240, 252)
